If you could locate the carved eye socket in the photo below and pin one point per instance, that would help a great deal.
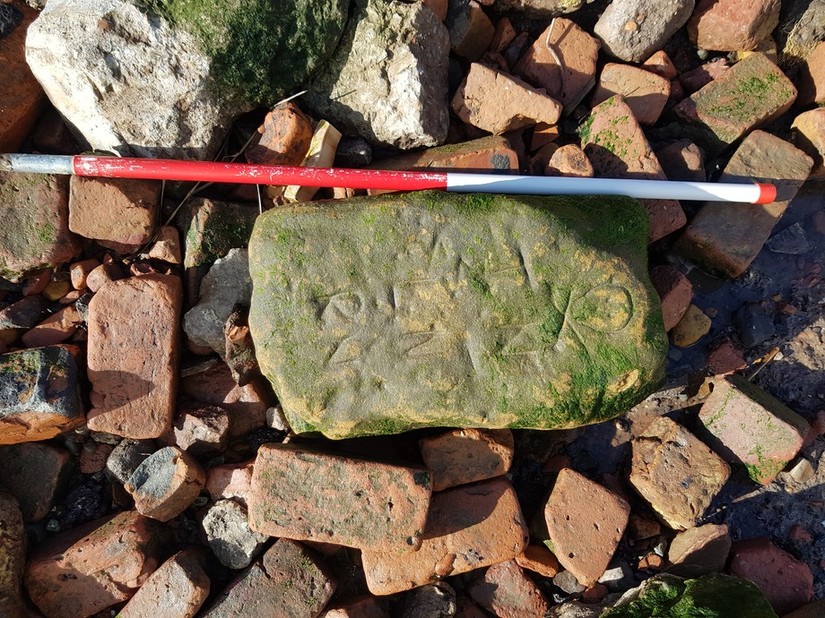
(605, 308)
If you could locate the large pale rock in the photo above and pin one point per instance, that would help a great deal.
(377, 315)
(170, 84)
(225, 286)
(387, 81)
(538, 9)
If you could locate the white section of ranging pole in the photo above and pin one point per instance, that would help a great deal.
(37, 164)
(640, 189)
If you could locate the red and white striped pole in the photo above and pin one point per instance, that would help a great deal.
(390, 180)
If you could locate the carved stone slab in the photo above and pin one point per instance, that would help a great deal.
(378, 315)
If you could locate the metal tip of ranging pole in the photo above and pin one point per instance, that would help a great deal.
(388, 180)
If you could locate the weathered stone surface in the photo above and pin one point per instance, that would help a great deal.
(538, 9)
(667, 456)
(562, 60)
(694, 325)
(726, 238)
(288, 581)
(212, 228)
(393, 91)
(36, 475)
(103, 274)
(732, 25)
(118, 213)
(811, 77)
(172, 90)
(814, 609)
(134, 326)
(569, 160)
(201, 429)
(87, 569)
(34, 224)
(506, 591)
(228, 535)
(39, 395)
(166, 483)
(584, 540)
(359, 607)
(454, 310)
(467, 455)
(167, 246)
(21, 97)
(634, 29)
(127, 456)
(55, 329)
(644, 92)
(430, 601)
(747, 425)
(785, 581)
(12, 557)
(178, 588)
(711, 596)
(699, 551)
(496, 102)
(230, 481)
(305, 495)
(225, 286)
(749, 94)
(22, 315)
(467, 528)
(617, 147)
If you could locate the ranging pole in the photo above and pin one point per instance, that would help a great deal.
(240, 173)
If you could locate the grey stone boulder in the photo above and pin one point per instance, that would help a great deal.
(229, 537)
(226, 285)
(539, 9)
(387, 81)
(161, 78)
(633, 29)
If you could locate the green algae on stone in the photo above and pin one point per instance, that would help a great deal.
(262, 49)
(212, 228)
(378, 315)
(711, 596)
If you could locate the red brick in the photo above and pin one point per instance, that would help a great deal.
(439, 7)
(467, 455)
(584, 539)
(675, 291)
(103, 274)
(785, 581)
(747, 425)
(391, 501)
(283, 138)
(699, 551)
(289, 581)
(21, 97)
(93, 457)
(814, 609)
(36, 474)
(78, 271)
(134, 327)
(34, 223)
(117, 213)
(569, 160)
(726, 238)
(246, 404)
(506, 591)
(811, 77)
(642, 527)
(725, 358)
(471, 31)
(562, 60)
(167, 245)
(661, 64)
(732, 25)
(644, 92)
(809, 136)
(468, 528)
(543, 134)
(682, 160)
(748, 95)
(55, 329)
(178, 588)
(483, 154)
(230, 481)
(701, 76)
(495, 102)
(504, 35)
(667, 456)
(617, 147)
(539, 559)
(93, 567)
(166, 483)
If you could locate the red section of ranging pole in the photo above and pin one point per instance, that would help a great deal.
(167, 169)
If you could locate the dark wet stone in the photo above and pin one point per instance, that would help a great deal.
(10, 18)
(379, 315)
(754, 323)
